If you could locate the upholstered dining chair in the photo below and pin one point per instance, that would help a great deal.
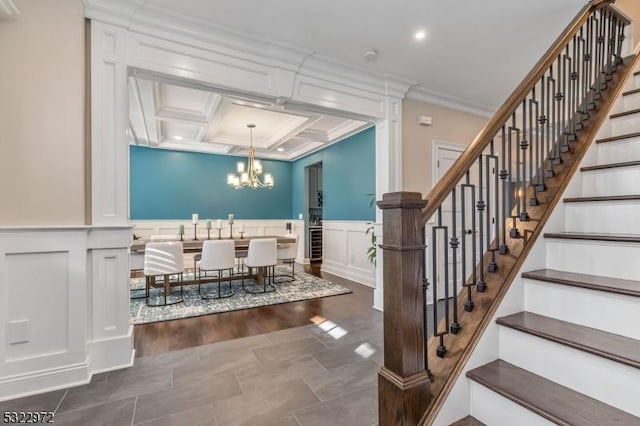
(287, 254)
(136, 264)
(217, 256)
(263, 253)
(163, 259)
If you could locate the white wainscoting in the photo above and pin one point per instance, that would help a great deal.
(146, 228)
(64, 306)
(344, 251)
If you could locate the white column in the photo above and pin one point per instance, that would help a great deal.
(388, 175)
(109, 142)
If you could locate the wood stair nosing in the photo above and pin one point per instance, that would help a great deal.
(548, 399)
(614, 347)
(591, 282)
(610, 166)
(625, 113)
(631, 92)
(585, 236)
(602, 198)
(468, 421)
(619, 137)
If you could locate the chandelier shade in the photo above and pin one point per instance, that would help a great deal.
(248, 175)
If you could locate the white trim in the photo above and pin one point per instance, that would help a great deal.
(435, 147)
(344, 251)
(419, 93)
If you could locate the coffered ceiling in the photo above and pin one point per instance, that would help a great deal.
(178, 116)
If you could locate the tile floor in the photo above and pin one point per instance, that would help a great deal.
(323, 374)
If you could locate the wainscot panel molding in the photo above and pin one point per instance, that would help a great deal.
(146, 228)
(344, 251)
(63, 306)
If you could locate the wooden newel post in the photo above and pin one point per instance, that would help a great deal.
(403, 383)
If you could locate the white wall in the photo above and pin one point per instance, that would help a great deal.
(344, 251)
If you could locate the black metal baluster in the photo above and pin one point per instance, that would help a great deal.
(468, 305)
(551, 107)
(481, 205)
(524, 147)
(492, 169)
(543, 143)
(566, 92)
(425, 288)
(441, 350)
(454, 243)
(504, 174)
(534, 114)
(621, 39)
(513, 233)
(557, 158)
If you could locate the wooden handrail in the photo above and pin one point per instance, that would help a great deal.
(457, 171)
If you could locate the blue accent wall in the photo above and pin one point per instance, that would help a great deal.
(348, 175)
(167, 184)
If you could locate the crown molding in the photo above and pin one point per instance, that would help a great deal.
(8, 9)
(167, 24)
(419, 93)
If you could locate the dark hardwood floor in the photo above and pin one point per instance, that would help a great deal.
(185, 333)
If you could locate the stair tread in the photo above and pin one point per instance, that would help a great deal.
(611, 346)
(603, 198)
(468, 421)
(619, 137)
(631, 92)
(593, 282)
(550, 400)
(625, 113)
(610, 166)
(619, 238)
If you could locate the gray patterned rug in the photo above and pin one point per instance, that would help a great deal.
(303, 288)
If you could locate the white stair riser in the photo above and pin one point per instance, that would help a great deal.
(618, 151)
(608, 381)
(616, 260)
(618, 181)
(618, 314)
(625, 124)
(495, 410)
(630, 102)
(606, 217)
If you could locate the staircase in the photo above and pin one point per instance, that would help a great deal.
(572, 356)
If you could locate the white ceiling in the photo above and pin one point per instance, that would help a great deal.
(178, 116)
(474, 55)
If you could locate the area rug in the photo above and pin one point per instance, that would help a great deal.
(304, 287)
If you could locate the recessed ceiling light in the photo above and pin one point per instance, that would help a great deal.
(178, 138)
(420, 35)
(281, 149)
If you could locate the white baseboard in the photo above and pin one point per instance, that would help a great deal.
(47, 380)
(361, 276)
(112, 353)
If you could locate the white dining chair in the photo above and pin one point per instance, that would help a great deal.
(136, 264)
(217, 256)
(263, 253)
(163, 259)
(287, 254)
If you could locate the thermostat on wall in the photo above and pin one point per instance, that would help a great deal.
(424, 120)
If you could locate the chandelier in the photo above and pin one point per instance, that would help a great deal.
(249, 176)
